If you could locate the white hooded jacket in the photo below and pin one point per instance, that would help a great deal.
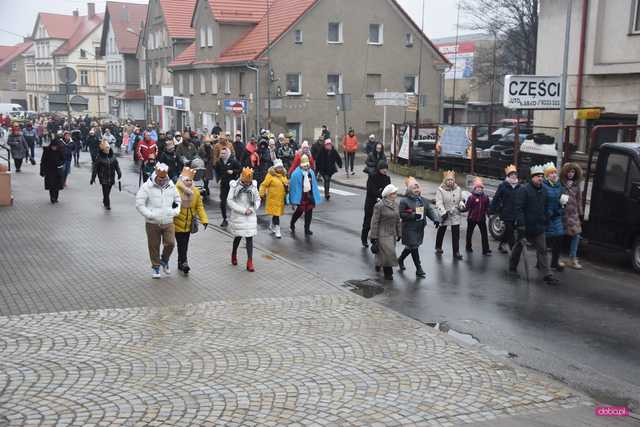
(156, 203)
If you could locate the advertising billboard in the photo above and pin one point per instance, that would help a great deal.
(462, 57)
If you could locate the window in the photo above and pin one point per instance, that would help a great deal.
(14, 66)
(636, 18)
(334, 84)
(408, 40)
(410, 84)
(214, 82)
(84, 78)
(615, 178)
(227, 82)
(335, 32)
(203, 83)
(210, 36)
(375, 34)
(374, 83)
(203, 37)
(190, 84)
(181, 84)
(13, 85)
(294, 84)
(241, 84)
(297, 36)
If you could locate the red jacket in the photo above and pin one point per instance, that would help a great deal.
(146, 148)
(350, 144)
(296, 161)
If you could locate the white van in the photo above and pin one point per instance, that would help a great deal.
(10, 108)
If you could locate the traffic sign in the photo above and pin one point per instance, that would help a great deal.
(67, 75)
(390, 95)
(412, 103)
(236, 106)
(532, 92)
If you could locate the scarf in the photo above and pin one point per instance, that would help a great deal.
(306, 182)
(186, 194)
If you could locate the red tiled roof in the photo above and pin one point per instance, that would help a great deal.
(282, 16)
(84, 26)
(177, 15)
(58, 26)
(238, 10)
(125, 19)
(9, 53)
(132, 95)
(187, 57)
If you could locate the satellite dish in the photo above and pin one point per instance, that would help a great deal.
(67, 75)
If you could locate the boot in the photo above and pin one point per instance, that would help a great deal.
(401, 264)
(234, 259)
(575, 264)
(388, 273)
(224, 223)
(551, 281)
(185, 268)
(363, 238)
(277, 232)
(272, 228)
(250, 265)
(420, 272)
(308, 232)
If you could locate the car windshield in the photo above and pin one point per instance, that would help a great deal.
(502, 131)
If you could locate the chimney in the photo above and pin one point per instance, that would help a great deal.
(75, 12)
(91, 10)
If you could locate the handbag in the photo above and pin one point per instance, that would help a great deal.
(375, 248)
(194, 225)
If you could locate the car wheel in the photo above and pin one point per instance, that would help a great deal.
(635, 255)
(496, 227)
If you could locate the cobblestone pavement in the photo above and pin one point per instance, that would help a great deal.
(87, 339)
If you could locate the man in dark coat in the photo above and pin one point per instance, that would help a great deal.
(414, 211)
(227, 169)
(327, 165)
(530, 222)
(105, 168)
(375, 184)
(52, 168)
(92, 144)
(504, 204)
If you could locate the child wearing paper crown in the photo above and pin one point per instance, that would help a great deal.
(477, 207)
(244, 201)
(191, 207)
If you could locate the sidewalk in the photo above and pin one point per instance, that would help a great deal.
(359, 180)
(88, 338)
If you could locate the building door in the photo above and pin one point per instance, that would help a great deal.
(296, 130)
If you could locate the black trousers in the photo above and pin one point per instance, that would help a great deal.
(182, 241)
(18, 163)
(224, 192)
(455, 237)
(275, 220)
(32, 149)
(415, 256)
(327, 185)
(483, 232)
(106, 192)
(249, 242)
(349, 161)
(509, 234)
(308, 216)
(53, 195)
(555, 242)
(76, 157)
(366, 223)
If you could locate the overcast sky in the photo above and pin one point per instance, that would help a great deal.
(440, 15)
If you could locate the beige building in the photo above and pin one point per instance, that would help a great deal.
(319, 49)
(609, 43)
(66, 41)
(12, 78)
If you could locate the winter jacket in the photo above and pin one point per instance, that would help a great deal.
(110, 139)
(296, 161)
(316, 149)
(448, 204)
(274, 191)
(530, 209)
(183, 220)
(573, 209)
(30, 135)
(18, 145)
(286, 153)
(554, 212)
(156, 203)
(217, 149)
(146, 148)
(350, 144)
(413, 223)
(92, 143)
(504, 201)
(327, 161)
(372, 161)
(52, 165)
(223, 168)
(385, 228)
(240, 199)
(477, 207)
(69, 148)
(250, 157)
(171, 160)
(296, 190)
(205, 152)
(186, 152)
(105, 168)
(260, 172)
(375, 184)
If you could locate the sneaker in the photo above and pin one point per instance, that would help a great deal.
(277, 232)
(401, 266)
(155, 272)
(457, 257)
(551, 281)
(420, 272)
(439, 251)
(487, 253)
(165, 267)
(272, 228)
(224, 223)
(353, 173)
(308, 232)
(575, 264)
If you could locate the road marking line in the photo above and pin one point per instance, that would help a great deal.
(341, 192)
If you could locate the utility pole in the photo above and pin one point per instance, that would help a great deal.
(563, 89)
(493, 83)
(455, 73)
(269, 71)
(419, 88)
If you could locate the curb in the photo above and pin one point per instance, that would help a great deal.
(349, 184)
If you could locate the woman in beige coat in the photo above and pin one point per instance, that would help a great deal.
(385, 231)
(449, 205)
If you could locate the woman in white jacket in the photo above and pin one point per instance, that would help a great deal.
(449, 204)
(243, 201)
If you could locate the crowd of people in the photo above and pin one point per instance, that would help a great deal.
(276, 172)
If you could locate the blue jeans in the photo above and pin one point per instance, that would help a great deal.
(575, 241)
(67, 168)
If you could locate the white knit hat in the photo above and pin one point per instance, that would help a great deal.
(389, 189)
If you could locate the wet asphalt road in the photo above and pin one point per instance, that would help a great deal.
(584, 332)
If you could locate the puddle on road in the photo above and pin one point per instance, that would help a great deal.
(365, 288)
(465, 338)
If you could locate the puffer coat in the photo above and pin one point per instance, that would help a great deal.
(385, 228)
(155, 203)
(504, 201)
(554, 212)
(52, 166)
(573, 209)
(274, 187)
(18, 145)
(183, 220)
(413, 223)
(448, 204)
(240, 199)
(105, 168)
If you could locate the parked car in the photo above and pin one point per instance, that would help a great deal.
(502, 136)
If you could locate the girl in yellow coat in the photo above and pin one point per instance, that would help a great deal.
(275, 187)
(190, 208)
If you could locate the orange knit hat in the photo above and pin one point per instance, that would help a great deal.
(247, 175)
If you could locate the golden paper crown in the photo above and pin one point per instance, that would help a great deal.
(187, 172)
(409, 181)
(510, 169)
(247, 175)
(449, 174)
(162, 170)
(549, 168)
(304, 160)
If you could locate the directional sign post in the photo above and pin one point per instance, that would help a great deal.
(388, 99)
